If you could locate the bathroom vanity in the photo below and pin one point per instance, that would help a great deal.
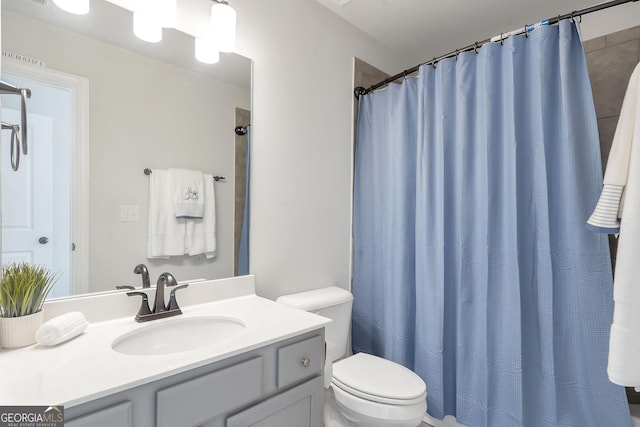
(266, 373)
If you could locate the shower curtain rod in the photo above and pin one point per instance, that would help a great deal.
(527, 28)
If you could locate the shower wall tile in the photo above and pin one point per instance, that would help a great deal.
(364, 75)
(609, 71)
(243, 118)
(623, 36)
(594, 44)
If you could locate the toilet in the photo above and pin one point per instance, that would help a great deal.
(361, 390)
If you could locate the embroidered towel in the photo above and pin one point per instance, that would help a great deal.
(166, 233)
(618, 210)
(61, 328)
(186, 190)
(201, 233)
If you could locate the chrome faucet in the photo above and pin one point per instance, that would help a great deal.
(160, 310)
(142, 269)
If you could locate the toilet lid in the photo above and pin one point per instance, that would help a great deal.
(378, 377)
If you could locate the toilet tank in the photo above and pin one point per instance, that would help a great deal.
(333, 303)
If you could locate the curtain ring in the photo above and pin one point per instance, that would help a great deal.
(580, 19)
(475, 47)
(526, 31)
(572, 13)
(501, 39)
(433, 63)
(457, 53)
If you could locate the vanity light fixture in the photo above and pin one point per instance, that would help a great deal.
(146, 27)
(167, 12)
(77, 7)
(223, 25)
(206, 50)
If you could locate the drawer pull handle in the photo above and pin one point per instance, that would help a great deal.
(306, 362)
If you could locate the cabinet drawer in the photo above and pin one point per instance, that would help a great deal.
(300, 360)
(114, 416)
(196, 401)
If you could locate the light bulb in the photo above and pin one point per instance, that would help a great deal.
(167, 13)
(206, 51)
(77, 7)
(146, 27)
(223, 25)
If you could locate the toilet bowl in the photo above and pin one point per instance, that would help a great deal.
(373, 391)
(362, 390)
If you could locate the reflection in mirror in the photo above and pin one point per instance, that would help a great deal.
(104, 107)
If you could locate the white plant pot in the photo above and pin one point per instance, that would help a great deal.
(19, 331)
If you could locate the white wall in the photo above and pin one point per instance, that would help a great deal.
(302, 140)
(157, 115)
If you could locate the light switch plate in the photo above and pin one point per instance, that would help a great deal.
(129, 213)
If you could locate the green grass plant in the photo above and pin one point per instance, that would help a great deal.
(23, 289)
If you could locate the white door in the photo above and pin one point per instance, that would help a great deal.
(27, 217)
(37, 199)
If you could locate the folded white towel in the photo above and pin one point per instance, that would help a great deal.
(201, 233)
(61, 328)
(187, 187)
(166, 232)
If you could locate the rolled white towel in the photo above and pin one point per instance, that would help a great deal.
(61, 328)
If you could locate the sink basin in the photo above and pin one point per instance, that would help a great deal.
(178, 335)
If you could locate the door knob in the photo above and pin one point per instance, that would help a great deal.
(43, 240)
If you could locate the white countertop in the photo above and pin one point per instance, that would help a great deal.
(86, 367)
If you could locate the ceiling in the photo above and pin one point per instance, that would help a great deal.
(418, 30)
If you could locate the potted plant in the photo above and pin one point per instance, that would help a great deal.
(23, 289)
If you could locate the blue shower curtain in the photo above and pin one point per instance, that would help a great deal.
(472, 263)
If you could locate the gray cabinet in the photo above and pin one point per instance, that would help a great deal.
(117, 415)
(300, 406)
(276, 385)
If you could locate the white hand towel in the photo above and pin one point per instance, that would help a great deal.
(187, 187)
(166, 232)
(201, 233)
(61, 328)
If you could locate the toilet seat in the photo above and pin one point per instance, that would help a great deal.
(361, 376)
(374, 398)
(358, 409)
(370, 387)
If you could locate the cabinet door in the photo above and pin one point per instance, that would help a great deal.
(195, 401)
(114, 416)
(300, 406)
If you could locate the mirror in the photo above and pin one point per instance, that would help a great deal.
(122, 105)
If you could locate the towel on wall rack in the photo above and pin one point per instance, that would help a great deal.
(170, 236)
(166, 233)
(201, 233)
(187, 188)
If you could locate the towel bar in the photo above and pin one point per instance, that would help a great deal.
(216, 178)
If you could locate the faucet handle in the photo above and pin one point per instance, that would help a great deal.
(173, 304)
(144, 306)
(129, 287)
